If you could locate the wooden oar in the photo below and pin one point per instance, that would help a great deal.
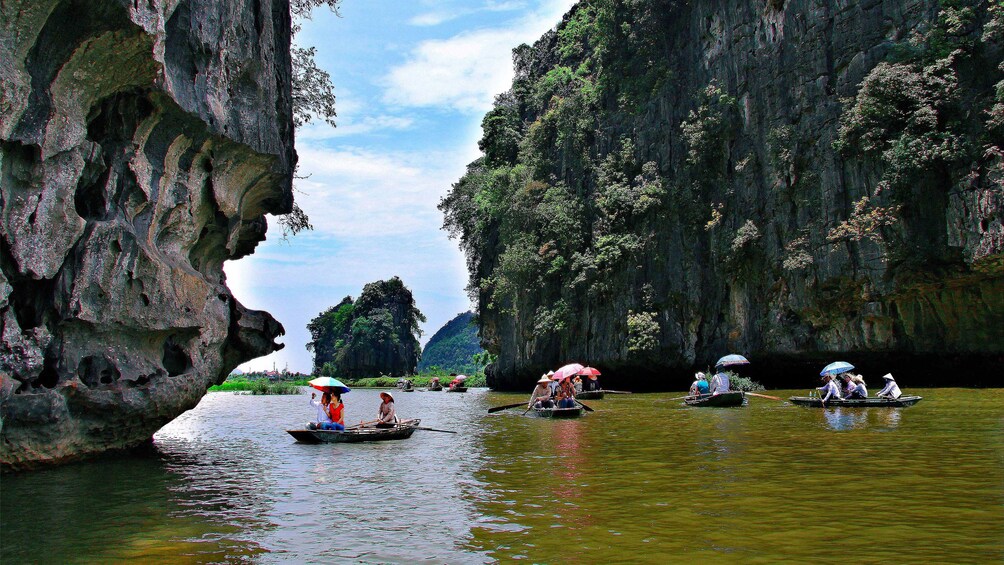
(682, 397)
(361, 425)
(615, 391)
(435, 430)
(588, 409)
(498, 408)
(763, 396)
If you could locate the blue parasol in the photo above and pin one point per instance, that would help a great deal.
(836, 368)
(329, 384)
(732, 359)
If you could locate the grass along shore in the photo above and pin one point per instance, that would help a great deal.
(263, 385)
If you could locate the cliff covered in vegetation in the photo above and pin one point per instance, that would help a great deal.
(796, 180)
(453, 347)
(369, 337)
(141, 145)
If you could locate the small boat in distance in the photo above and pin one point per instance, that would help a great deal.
(402, 430)
(730, 399)
(557, 412)
(456, 389)
(816, 402)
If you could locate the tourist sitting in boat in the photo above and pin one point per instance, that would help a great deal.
(700, 385)
(541, 396)
(566, 394)
(577, 384)
(336, 410)
(323, 415)
(387, 416)
(829, 389)
(592, 383)
(719, 383)
(891, 389)
(858, 391)
(846, 384)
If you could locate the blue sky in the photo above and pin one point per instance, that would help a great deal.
(413, 80)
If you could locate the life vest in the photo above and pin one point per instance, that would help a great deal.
(336, 410)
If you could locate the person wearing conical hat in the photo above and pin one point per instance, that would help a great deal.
(829, 389)
(387, 416)
(858, 391)
(541, 396)
(891, 389)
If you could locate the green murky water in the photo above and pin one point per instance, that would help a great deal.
(642, 479)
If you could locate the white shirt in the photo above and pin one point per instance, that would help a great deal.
(831, 390)
(542, 392)
(719, 383)
(322, 412)
(891, 390)
(861, 389)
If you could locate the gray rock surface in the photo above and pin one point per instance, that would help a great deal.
(141, 145)
(790, 65)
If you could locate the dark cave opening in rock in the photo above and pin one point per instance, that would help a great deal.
(176, 360)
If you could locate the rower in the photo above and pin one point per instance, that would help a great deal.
(829, 390)
(891, 389)
(387, 416)
(541, 396)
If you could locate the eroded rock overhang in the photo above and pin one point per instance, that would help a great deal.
(141, 145)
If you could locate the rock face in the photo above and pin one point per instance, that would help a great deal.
(141, 144)
(798, 181)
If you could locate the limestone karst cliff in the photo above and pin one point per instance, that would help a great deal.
(141, 145)
(795, 180)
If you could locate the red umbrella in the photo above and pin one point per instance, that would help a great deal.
(589, 372)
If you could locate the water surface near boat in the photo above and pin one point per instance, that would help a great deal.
(644, 479)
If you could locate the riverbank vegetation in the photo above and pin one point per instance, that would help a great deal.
(259, 386)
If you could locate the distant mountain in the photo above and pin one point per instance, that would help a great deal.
(453, 347)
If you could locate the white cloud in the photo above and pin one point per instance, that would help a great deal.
(466, 71)
(353, 193)
(446, 12)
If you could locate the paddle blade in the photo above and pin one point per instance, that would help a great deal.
(506, 407)
(588, 409)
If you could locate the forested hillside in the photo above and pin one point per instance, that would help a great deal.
(453, 347)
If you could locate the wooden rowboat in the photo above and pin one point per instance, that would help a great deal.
(457, 389)
(814, 402)
(589, 395)
(435, 388)
(557, 412)
(402, 430)
(729, 399)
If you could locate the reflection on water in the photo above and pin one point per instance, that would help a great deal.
(842, 418)
(642, 479)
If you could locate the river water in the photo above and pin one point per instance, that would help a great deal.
(643, 479)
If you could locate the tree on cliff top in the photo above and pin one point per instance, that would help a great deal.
(374, 335)
(313, 97)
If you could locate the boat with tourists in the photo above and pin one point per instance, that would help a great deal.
(816, 402)
(729, 399)
(456, 389)
(401, 430)
(557, 412)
